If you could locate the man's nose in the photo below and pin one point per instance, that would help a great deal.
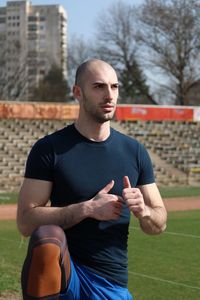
(108, 94)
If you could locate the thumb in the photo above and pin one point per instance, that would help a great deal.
(126, 182)
(107, 188)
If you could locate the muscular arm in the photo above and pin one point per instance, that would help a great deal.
(155, 214)
(146, 204)
(33, 211)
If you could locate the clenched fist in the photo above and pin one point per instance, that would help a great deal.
(134, 200)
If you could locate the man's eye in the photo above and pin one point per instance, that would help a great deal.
(99, 86)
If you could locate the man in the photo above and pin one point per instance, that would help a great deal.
(95, 177)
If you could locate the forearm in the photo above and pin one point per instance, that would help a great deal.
(154, 222)
(33, 212)
(66, 217)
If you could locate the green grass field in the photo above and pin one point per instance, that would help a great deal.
(164, 267)
(12, 253)
(8, 198)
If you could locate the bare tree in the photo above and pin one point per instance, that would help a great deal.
(52, 88)
(79, 50)
(12, 82)
(2, 72)
(116, 43)
(168, 31)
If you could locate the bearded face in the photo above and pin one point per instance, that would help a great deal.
(99, 93)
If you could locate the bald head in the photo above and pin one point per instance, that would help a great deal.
(89, 66)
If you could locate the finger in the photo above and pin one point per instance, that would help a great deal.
(107, 188)
(120, 199)
(126, 182)
(118, 204)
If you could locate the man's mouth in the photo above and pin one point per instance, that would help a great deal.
(107, 107)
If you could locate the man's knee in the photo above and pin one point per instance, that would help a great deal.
(48, 234)
(47, 266)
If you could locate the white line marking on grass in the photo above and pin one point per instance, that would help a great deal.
(9, 240)
(174, 233)
(164, 280)
(21, 242)
(183, 234)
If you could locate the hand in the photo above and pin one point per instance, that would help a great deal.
(134, 200)
(106, 206)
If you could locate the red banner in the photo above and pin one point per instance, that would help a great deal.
(35, 110)
(158, 113)
(39, 110)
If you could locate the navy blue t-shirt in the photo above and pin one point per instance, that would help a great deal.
(79, 169)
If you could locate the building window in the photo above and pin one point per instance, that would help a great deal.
(42, 18)
(42, 72)
(32, 62)
(32, 72)
(2, 11)
(2, 20)
(32, 27)
(32, 36)
(32, 54)
(32, 18)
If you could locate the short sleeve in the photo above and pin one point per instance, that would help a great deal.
(146, 175)
(40, 161)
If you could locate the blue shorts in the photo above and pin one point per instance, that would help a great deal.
(85, 285)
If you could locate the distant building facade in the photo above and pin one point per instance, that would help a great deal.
(32, 40)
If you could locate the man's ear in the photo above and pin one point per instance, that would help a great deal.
(77, 92)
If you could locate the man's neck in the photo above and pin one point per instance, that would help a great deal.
(94, 132)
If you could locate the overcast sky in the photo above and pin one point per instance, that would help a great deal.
(82, 14)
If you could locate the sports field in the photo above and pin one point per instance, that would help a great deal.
(160, 267)
(167, 266)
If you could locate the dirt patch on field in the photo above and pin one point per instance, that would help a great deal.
(10, 296)
(180, 204)
(8, 211)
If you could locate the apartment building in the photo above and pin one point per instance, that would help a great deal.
(32, 40)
